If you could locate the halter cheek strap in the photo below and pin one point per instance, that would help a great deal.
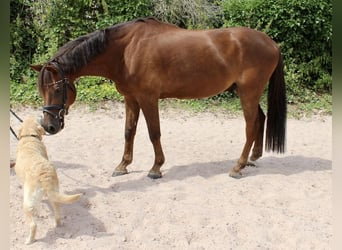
(62, 110)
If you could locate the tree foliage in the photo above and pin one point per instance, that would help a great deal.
(189, 14)
(303, 29)
(23, 37)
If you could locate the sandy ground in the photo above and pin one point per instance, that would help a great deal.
(284, 203)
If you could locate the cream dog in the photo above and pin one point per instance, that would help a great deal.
(37, 174)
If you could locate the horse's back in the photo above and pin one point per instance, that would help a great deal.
(254, 44)
(164, 43)
(182, 63)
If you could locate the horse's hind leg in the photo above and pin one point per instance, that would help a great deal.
(132, 116)
(149, 107)
(258, 143)
(250, 103)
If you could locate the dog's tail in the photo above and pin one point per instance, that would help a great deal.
(64, 198)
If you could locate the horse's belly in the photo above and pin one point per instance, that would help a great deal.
(194, 90)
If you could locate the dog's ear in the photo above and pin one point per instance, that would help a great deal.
(41, 130)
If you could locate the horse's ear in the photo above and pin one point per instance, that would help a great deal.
(37, 67)
(50, 67)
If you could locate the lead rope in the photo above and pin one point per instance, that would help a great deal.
(16, 116)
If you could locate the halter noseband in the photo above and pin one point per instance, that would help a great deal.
(61, 108)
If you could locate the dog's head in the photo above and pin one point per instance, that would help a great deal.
(31, 127)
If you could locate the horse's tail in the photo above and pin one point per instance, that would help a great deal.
(276, 113)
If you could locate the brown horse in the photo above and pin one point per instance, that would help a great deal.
(148, 60)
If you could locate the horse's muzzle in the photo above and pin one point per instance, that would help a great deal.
(52, 127)
(51, 123)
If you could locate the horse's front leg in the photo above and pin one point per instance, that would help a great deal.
(132, 116)
(149, 107)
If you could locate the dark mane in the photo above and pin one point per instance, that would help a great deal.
(77, 53)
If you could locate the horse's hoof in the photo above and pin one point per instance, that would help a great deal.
(119, 173)
(235, 175)
(251, 163)
(154, 175)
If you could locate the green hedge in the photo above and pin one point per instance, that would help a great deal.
(303, 30)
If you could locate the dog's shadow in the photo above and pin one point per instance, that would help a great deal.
(77, 221)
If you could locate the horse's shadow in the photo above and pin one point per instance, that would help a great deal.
(269, 165)
(290, 165)
(287, 166)
(78, 213)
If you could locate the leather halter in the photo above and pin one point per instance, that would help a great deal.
(61, 108)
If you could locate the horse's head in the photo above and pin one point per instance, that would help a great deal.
(58, 93)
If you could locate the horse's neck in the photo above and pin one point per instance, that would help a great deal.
(108, 64)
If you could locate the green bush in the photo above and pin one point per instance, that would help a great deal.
(23, 39)
(26, 94)
(190, 14)
(89, 90)
(303, 30)
(118, 11)
(92, 89)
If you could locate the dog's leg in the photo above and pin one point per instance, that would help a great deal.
(32, 195)
(28, 209)
(55, 206)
